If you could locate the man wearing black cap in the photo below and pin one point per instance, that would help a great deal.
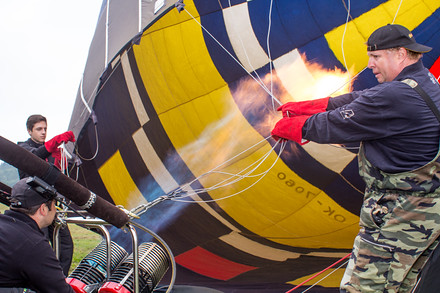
(397, 123)
(26, 257)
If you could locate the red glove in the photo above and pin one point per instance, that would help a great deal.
(290, 128)
(54, 143)
(304, 107)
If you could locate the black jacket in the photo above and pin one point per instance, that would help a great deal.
(26, 257)
(37, 149)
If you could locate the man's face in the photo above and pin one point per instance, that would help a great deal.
(38, 132)
(385, 64)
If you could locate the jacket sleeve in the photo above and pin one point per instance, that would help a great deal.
(368, 116)
(339, 101)
(40, 152)
(43, 270)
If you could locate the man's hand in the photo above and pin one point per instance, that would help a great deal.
(53, 144)
(304, 107)
(290, 128)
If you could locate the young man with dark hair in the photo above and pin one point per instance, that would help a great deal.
(26, 257)
(37, 132)
(47, 150)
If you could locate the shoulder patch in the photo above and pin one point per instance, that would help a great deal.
(346, 113)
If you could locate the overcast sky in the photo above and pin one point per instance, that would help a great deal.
(44, 47)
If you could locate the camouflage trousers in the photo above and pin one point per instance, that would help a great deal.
(398, 232)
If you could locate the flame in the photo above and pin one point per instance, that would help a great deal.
(331, 83)
(297, 81)
(309, 81)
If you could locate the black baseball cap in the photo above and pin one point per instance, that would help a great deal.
(394, 36)
(24, 196)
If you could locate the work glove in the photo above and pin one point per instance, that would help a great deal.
(304, 107)
(54, 143)
(290, 128)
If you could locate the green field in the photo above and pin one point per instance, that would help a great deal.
(83, 240)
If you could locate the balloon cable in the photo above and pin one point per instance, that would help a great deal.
(235, 59)
(186, 190)
(319, 273)
(397, 12)
(269, 26)
(261, 82)
(343, 35)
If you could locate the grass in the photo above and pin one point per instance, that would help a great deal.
(84, 241)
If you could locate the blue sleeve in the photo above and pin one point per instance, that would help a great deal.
(339, 101)
(372, 114)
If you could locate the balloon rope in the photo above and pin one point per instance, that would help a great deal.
(235, 59)
(63, 161)
(81, 91)
(261, 83)
(343, 35)
(325, 277)
(269, 26)
(319, 273)
(234, 177)
(97, 147)
(397, 12)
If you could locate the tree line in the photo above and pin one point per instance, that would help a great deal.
(8, 174)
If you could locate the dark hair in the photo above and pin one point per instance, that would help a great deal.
(414, 55)
(32, 210)
(411, 54)
(33, 119)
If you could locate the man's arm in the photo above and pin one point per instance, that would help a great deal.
(342, 100)
(369, 116)
(40, 152)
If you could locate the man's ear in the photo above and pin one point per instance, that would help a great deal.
(402, 53)
(43, 210)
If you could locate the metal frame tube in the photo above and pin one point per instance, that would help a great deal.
(170, 253)
(105, 234)
(135, 258)
(100, 224)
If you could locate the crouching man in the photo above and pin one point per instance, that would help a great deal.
(26, 257)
